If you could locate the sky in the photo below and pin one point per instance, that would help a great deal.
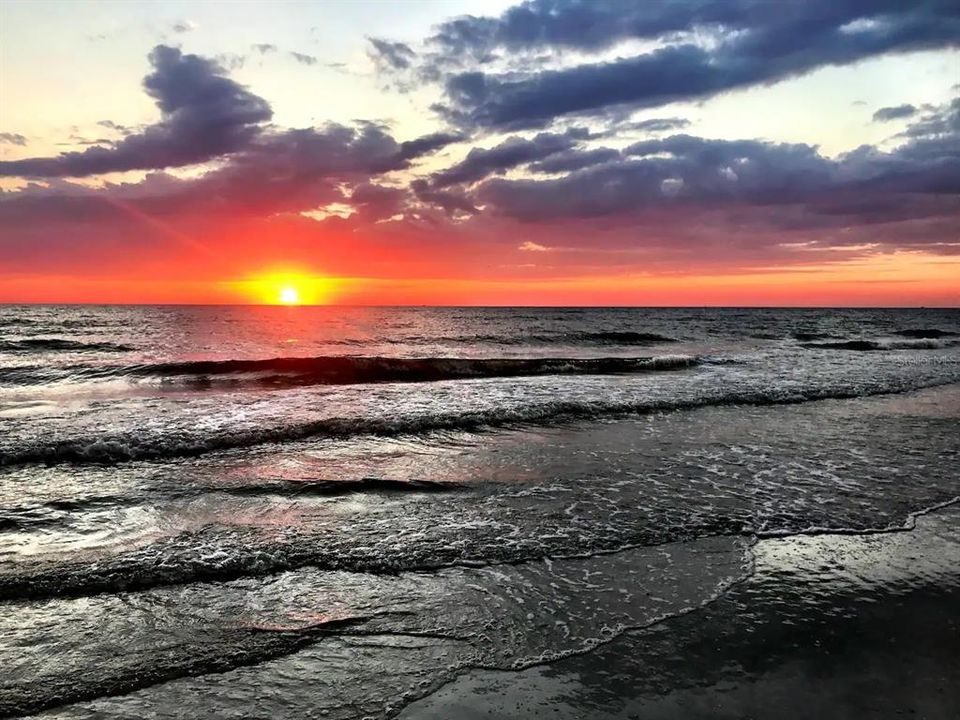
(547, 152)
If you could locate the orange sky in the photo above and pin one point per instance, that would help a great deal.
(920, 280)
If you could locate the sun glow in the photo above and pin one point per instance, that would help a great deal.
(289, 295)
(285, 288)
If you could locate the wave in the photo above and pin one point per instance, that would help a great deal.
(608, 337)
(16, 322)
(862, 345)
(122, 448)
(26, 375)
(335, 487)
(29, 345)
(240, 646)
(624, 337)
(348, 370)
(812, 336)
(219, 553)
(58, 512)
(883, 344)
(925, 333)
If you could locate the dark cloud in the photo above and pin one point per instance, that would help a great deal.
(920, 179)
(751, 43)
(428, 144)
(936, 122)
(283, 172)
(575, 24)
(594, 25)
(110, 125)
(928, 162)
(12, 138)
(393, 55)
(264, 48)
(575, 160)
(450, 201)
(376, 202)
(512, 152)
(656, 125)
(759, 170)
(80, 140)
(204, 115)
(896, 112)
(303, 59)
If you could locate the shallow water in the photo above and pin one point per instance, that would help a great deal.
(409, 495)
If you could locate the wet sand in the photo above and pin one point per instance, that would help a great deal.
(833, 626)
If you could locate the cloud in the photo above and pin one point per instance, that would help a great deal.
(303, 59)
(657, 125)
(573, 24)
(183, 26)
(936, 122)
(450, 201)
(231, 61)
(708, 47)
(13, 138)
(511, 153)
(927, 162)
(393, 55)
(427, 144)
(264, 48)
(885, 114)
(281, 172)
(204, 115)
(529, 246)
(600, 24)
(110, 125)
(575, 160)
(375, 202)
(670, 195)
(790, 184)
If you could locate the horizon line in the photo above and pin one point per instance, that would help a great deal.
(504, 306)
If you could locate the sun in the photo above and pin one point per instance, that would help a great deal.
(289, 295)
(285, 287)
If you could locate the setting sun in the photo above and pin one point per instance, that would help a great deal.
(285, 287)
(289, 295)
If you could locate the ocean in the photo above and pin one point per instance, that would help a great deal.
(345, 512)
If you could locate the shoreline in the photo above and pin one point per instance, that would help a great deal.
(832, 607)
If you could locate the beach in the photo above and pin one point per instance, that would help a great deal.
(478, 513)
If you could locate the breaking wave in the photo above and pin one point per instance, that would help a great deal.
(925, 333)
(884, 344)
(611, 337)
(220, 553)
(347, 370)
(52, 512)
(812, 336)
(39, 345)
(109, 449)
(248, 645)
(602, 337)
